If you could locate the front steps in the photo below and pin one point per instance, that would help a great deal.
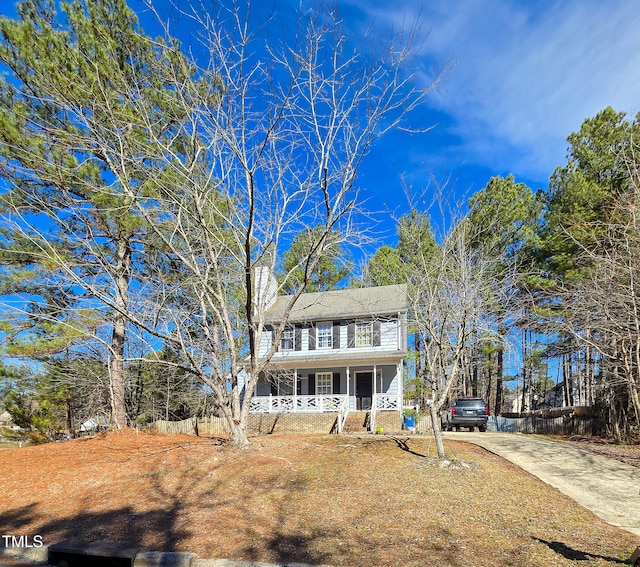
(357, 422)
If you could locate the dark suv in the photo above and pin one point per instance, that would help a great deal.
(466, 412)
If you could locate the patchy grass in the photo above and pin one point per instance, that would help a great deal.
(318, 499)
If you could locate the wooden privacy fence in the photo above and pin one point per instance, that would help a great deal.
(561, 425)
(192, 426)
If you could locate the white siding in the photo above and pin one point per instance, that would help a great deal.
(389, 342)
(389, 381)
(389, 335)
(265, 343)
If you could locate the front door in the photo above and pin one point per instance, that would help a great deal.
(364, 390)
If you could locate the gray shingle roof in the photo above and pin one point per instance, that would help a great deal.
(341, 304)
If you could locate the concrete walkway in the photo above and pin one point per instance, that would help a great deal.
(607, 487)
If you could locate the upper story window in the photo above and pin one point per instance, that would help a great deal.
(325, 335)
(364, 334)
(287, 341)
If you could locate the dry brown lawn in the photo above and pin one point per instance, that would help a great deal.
(318, 499)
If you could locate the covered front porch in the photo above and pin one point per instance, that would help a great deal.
(370, 387)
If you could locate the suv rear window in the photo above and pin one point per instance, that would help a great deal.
(469, 403)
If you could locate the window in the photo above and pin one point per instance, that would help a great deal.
(364, 334)
(287, 341)
(325, 335)
(324, 383)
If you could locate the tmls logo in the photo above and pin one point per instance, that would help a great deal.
(22, 541)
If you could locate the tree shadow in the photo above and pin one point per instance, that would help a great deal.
(404, 445)
(171, 524)
(12, 521)
(576, 554)
(285, 543)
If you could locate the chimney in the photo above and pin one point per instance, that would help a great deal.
(265, 289)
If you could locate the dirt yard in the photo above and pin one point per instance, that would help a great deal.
(317, 499)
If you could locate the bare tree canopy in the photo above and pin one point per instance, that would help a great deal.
(149, 183)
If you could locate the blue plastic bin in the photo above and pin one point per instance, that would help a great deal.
(409, 421)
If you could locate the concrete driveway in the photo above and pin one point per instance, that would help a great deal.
(609, 488)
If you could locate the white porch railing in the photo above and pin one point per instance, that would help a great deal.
(283, 404)
(382, 402)
(343, 413)
(386, 402)
(316, 404)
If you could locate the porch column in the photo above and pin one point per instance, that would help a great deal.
(400, 385)
(295, 389)
(375, 386)
(348, 393)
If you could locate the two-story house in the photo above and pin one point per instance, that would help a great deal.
(342, 351)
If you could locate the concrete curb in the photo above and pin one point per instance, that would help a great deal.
(26, 554)
(229, 563)
(164, 559)
(40, 556)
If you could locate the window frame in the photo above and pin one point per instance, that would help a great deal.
(284, 337)
(367, 327)
(322, 335)
(327, 387)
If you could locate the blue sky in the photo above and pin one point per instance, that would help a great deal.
(524, 75)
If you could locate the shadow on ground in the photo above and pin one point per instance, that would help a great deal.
(575, 554)
(169, 525)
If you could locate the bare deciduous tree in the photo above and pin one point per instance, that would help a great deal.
(187, 176)
(453, 298)
(276, 153)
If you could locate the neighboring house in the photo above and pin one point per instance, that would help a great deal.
(553, 398)
(6, 421)
(342, 351)
(94, 425)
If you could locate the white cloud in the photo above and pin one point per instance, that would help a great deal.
(527, 74)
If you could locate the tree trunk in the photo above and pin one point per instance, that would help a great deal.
(579, 374)
(437, 432)
(568, 380)
(418, 346)
(474, 365)
(69, 418)
(588, 364)
(489, 396)
(117, 375)
(499, 371)
(499, 368)
(117, 372)
(238, 438)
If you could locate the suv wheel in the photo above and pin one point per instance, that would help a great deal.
(482, 428)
